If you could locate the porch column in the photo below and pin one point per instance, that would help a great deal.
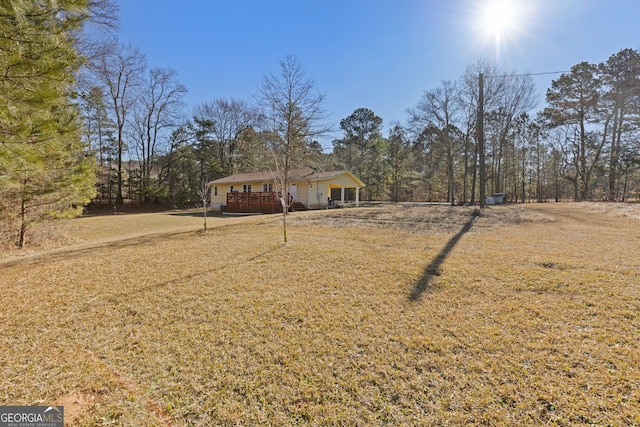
(357, 196)
(342, 195)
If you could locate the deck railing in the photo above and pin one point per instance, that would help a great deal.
(258, 202)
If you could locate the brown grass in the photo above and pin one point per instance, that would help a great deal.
(527, 315)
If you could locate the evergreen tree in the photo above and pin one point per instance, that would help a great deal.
(400, 160)
(99, 134)
(573, 105)
(362, 150)
(621, 79)
(43, 168)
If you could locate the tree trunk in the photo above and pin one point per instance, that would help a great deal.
(474, 175)
(285, 210)
(119, 198)
(23, 223)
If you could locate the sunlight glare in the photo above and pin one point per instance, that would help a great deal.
(498, 18)
(500, 22)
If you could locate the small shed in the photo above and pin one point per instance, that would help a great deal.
(500, 198)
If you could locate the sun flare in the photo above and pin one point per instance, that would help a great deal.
(502, 26)
(498, 20)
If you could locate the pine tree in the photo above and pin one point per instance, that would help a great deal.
(573, 106)
(362, 149)
(44, 172)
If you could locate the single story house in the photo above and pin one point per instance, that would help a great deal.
(308, 189)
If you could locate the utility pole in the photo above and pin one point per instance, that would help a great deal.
(480, 128)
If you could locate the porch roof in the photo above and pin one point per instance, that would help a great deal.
(294, 176)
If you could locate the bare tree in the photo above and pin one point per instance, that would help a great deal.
(120, 71)
(505, 96)
(96, 39)
(517, 97)
(157, 113)
(468, 97)
(204, 192)
(293, 115)
(438, 111)
(224, 120)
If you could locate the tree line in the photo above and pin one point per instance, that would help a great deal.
(85, 119)
(582, 145)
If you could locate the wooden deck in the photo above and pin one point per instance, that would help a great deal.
(258, 202)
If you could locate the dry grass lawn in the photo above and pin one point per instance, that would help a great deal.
(398, 315)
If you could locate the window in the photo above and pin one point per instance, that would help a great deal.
(267, 187)
(246, 188)
(215, 190)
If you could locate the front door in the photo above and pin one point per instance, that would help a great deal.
(293, 191)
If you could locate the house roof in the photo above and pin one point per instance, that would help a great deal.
(296, 175)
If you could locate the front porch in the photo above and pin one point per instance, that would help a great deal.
(341, 195)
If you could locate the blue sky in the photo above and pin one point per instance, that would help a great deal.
(378, 54)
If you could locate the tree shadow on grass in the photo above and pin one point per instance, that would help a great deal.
(423, 284)
(198, 214)
(187, 277)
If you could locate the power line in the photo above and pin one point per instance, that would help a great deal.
(480, 125)
(530, 74)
